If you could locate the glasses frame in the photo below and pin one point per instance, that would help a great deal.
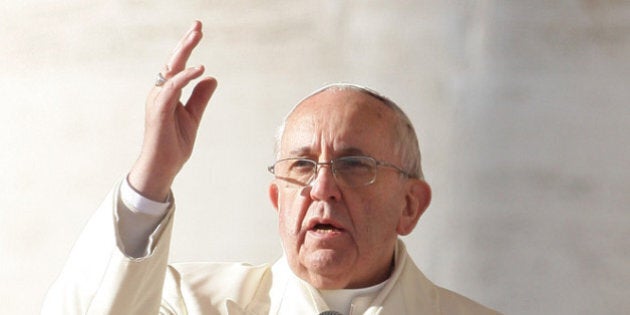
(331, 164)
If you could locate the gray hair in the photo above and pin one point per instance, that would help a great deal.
(407, 145)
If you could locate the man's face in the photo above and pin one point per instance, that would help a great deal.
(334, 236)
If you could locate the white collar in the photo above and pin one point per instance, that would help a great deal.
(341, 300)
(297, 295)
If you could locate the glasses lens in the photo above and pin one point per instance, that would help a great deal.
(355, 171)
(296, 171)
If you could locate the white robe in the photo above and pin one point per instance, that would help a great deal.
(100, 279)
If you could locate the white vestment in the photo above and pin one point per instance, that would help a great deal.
(99, 278)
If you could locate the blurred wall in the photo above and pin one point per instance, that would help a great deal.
(521, 108)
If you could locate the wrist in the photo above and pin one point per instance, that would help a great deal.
(137, 203)
(152, 183)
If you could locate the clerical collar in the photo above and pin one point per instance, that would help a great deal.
(341, 300)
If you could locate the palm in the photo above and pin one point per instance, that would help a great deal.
(170, 125)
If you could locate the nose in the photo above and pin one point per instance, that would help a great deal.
(324, 187)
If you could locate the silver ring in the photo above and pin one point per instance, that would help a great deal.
(159, 81)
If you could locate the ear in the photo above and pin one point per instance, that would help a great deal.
(416, 201)
(273, 194)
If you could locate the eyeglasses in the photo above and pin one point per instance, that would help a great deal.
(348, 171)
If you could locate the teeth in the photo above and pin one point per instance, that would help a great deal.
(324, 228)
(324, 231)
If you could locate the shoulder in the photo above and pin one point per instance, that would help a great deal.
(201, 270)
(212, 284)
(454, 303)
(425, 292)
(201, 275)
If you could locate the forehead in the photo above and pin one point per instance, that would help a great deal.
(339, 120)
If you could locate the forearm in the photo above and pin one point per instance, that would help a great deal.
(100, 278)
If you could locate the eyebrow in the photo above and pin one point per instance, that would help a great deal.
(303, 151)
(350, 151)
(306, 151)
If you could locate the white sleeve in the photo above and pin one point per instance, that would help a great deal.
(118, 264)
(140, 204)
(138, 220)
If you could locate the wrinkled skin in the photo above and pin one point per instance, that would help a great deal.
(337, 237)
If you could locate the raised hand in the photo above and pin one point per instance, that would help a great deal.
(170, 126)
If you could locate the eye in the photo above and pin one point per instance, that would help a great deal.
(302, 165)
(354, 164)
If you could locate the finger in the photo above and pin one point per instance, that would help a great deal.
(181, 53)
(200, 97)
(172, 89)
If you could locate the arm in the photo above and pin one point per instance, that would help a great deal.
(101, 277)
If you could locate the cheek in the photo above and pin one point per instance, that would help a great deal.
(288, 216)
(285, 225)
(378, 218)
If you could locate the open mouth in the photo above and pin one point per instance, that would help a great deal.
(324, 228)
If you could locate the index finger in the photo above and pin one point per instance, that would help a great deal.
(182, 52)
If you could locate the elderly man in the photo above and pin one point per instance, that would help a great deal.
(347, 183)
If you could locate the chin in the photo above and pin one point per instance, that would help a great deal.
(327, 269)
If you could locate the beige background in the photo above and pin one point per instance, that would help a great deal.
(521, 107)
